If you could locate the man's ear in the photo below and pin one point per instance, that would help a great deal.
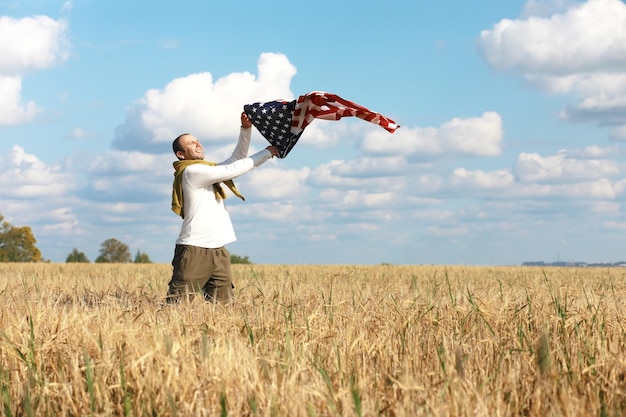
(180, 155)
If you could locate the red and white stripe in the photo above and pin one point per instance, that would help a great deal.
(321, 105)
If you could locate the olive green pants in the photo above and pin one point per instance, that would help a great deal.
(204, 271)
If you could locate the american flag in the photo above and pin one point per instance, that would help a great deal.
(282, 122)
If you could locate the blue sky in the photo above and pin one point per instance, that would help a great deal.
(511, 147)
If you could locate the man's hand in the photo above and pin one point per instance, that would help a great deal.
(273, 150)
(245, 122)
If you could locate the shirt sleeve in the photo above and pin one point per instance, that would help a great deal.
(200, 175)
(261, 157)
(241, 150)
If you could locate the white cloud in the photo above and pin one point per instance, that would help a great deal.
(281, 212)
(356, 199)
(602, 98)
(532, 167)
(499, 184)
(613, 225)
(479, 136)
(373, 167)
(39, 195)
(62, 221)
(203, 106)
(427, 183)
(566, 43)
(599, 189)
(580, 50)
(592, 152)
(316, 234)
(128, 177)
(340, 174)
(481, 179)
(275, 183)
(12, 110)
(118, 162)
(606, 208)
(23, 175)
(618, 133)
(31, 43)
(324, 134)
(443, 231)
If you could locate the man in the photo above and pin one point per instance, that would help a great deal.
(201, 262)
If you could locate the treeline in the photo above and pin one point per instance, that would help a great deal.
(18, 244)
(111, 251)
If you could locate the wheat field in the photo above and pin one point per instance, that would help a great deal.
(97, 340)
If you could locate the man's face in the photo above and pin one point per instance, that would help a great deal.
(192, 148)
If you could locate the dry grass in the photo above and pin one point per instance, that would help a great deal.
(79, 340)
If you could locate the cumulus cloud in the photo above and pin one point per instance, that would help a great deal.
(325, 134)
(23, 175)
(618, 133)
(547, 184)
(281, 212)
(478, 136)
(12, 110)
(200, 105)
(341, 174)
(447, 231)
(532, 167)
(114, 163)
(613, 225)
(356, 199)
(606, 208)
(592, 152)
(591, 173)
(561, 44)
(367, 167)
(275, 183)
(598, 189)
(481, 179)
(27, 44)
(36, 193)
(128, 176)
(568, 51)
(31, 43)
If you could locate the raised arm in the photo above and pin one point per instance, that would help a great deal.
(241, 150)
(201, 175)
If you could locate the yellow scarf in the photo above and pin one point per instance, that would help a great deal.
(177, 187)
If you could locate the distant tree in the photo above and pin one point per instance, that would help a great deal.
(142, 258)
(17, 244)
(113, 251)
(77, 257)
(236, 259)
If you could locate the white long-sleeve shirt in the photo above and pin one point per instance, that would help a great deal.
(206, 222)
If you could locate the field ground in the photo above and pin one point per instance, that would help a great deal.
(96, 339)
